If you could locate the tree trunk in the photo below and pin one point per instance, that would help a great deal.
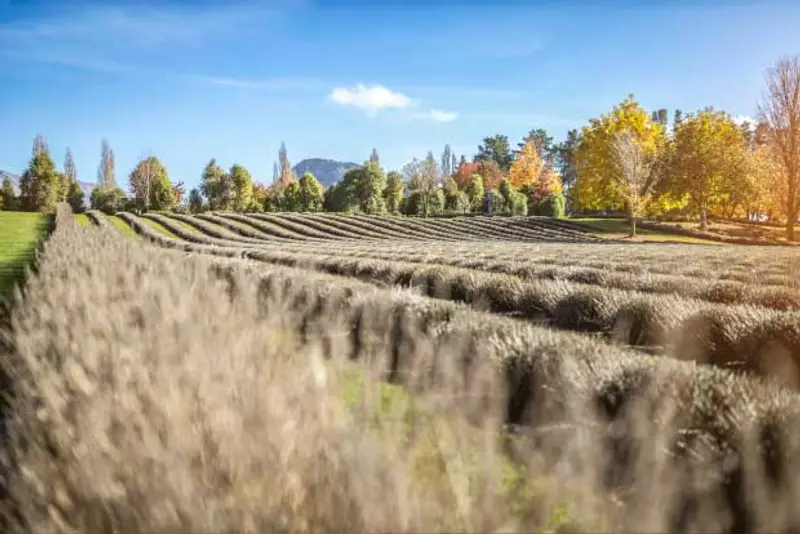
(633, 226)
(703, 219)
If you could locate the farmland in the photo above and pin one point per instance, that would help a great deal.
(332, 373)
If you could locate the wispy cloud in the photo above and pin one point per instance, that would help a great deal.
(259, 84)
(442, 116)
(374, 98)
(115, 38)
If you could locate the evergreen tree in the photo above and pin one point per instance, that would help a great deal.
(40, 183)
(195, 201)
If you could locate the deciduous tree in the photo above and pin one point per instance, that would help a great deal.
(70, 174)
(150, 185)
(287, 174)
(600, 184)
(476, 192)
(393, 193)
(212, 185)
(527, 166)
(106, 171)
(241, 188)
(710, 160)
(634, 167)
(310, 193)
(780, 111)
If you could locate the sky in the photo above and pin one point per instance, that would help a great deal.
(188, 81)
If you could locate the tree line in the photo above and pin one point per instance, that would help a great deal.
(704, 164)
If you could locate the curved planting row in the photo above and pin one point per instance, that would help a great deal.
(758, 340)
(780, 298)
(157, 356)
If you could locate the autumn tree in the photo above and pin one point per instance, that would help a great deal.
(393, 192)
(276, 173)
(780, 111)
(106, 171)
(286, 172)
(497, 149)
(710, 160)
(463, 174)
(600, 184)
(40, 184)
(542, 143)
(241, 188)
(259, 199)
(633, 166)
(178, 192)
(527, 166)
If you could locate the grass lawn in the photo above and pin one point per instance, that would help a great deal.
(157, 227)
(20, 233)
(122, 226)
(83, 220)
(619, 229)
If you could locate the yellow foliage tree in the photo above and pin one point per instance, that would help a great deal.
(600, 183)
(526, 168)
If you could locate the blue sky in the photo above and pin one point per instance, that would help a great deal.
(231, 80)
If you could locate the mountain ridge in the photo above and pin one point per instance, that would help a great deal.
(326, 171)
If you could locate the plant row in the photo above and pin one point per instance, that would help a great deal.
(145, 386)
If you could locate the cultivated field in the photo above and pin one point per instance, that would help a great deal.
(332, 373)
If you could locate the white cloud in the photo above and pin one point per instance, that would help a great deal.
(741, 119)
(442, 116)
(373, 98)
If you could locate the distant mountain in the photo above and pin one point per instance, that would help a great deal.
(87, 188)
(327, 171)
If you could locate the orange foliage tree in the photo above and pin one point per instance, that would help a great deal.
(492, 174)
(527, 167)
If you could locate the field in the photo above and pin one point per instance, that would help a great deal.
(343, 373)
(20, 233)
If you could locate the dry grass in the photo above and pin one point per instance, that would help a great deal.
(158, 391)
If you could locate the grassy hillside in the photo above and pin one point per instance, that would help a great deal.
(20, 233)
